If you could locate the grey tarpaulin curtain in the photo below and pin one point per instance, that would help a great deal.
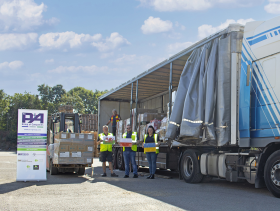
(199, 105)
(177, 111)
(202, 106)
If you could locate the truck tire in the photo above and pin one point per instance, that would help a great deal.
(272, 173)
(81, 171)
(120, 160)
(53, 170)
(189, 167)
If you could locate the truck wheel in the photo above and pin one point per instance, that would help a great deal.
(53, 170)
(120, 160)
(81, 171)
(189, 167)
(272, 173)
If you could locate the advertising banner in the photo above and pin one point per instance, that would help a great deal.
(31, 145)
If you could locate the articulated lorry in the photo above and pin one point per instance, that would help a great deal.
(224, 120)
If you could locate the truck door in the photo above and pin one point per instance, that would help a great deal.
(261, 54)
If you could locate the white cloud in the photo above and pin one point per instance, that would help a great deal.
(70, 40)
(177, 47)
(17, 41)
(206, 30)
(48, 61)
(174, 5)
(79, 69)
(18, 15)
(273, 7)
(115, 41)
(66, 40)
(12, 65)
(156, 25)
(124, 59)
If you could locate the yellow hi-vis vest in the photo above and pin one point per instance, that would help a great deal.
(134, 138)
(105, 147)
(155, 138)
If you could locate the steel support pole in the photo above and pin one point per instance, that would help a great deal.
(136, 106)
(170, 90)
(131, 102)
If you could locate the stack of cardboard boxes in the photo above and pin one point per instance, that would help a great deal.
(65, 109)
(73, 148)
(89, 122)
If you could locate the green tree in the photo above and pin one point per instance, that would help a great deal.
(89, 98)
(73, 100)
(51, 96)
(4, 108)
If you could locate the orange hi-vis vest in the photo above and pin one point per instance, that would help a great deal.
(117, 118)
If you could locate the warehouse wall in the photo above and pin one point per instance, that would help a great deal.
(159, 103)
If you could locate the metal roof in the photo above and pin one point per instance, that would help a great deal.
(156, 79)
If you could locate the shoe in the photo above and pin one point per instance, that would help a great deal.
(114, 175)
(152, 176)
(104, 175)
(135, 176)
(149, 177)
(125, 176)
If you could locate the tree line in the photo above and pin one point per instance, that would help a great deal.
(49, 98)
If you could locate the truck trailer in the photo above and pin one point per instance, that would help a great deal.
(224, 120)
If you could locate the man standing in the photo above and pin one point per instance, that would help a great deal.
(129, 153)
(114, 119)
(106, 152)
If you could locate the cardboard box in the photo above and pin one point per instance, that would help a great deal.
(63, 148)
(77, 142)
(73, 148)
(72, 135)
(88, 160)
(65, 142)
(88, 142)
(81, 148)
(87, 154)
(76, 154)
(64, 154)
(80, 136)
(89, 136)
(89, 148)
(63, 135)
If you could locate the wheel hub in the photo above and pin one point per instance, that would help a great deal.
(188, 166)
(275, 174)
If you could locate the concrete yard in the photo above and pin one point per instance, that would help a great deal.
(73, 192)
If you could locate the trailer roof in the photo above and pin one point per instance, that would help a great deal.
(156, 79)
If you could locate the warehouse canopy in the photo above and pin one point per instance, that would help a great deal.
(155, 80)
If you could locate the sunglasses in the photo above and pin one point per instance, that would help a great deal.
(128, 128)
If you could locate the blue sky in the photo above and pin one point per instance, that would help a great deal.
(102, 44)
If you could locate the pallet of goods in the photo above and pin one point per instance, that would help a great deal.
(65, 109)
(73, 148)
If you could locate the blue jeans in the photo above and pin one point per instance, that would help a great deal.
(152, 159)
(129, 156)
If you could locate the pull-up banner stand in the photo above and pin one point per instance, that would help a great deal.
(31, 145)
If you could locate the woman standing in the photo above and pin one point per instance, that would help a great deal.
(152, 137)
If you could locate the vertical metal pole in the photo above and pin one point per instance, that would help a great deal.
(131, 102)
(99, 131)
(136, 106)
(170, 90)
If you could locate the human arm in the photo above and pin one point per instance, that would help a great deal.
(108, 122)
(98, 140)
(158, 141)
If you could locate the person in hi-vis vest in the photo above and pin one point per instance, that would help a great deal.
(106, 152)
(114, 119)
(129, 153)
(152, 137)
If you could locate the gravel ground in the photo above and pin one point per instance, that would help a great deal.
(73, 192)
